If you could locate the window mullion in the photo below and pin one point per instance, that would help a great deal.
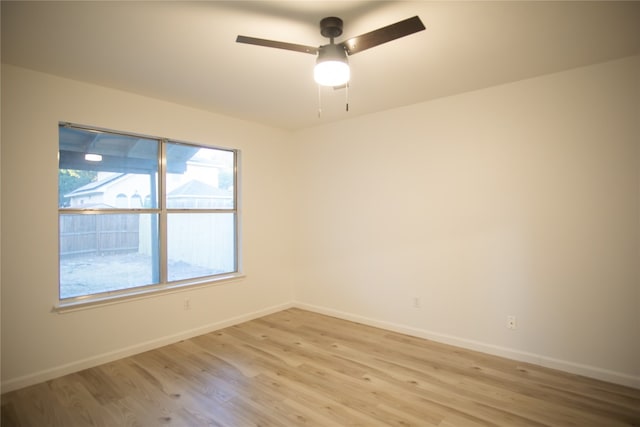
(162, 203)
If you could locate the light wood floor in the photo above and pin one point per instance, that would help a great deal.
(297, 368)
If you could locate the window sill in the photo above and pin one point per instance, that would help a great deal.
(89, 302)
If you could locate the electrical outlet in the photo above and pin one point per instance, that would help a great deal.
(511, 322)
(187, 304)
(416, 302)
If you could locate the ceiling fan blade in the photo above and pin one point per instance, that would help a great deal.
(383, 35)
(278, 45)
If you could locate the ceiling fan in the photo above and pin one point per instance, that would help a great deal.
(332, 66)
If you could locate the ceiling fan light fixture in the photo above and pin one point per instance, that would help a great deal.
(332, 66)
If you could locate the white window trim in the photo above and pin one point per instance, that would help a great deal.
(92, 301)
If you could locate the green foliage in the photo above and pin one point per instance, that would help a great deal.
(70, 180)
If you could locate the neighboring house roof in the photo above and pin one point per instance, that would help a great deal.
(199, 189)
(91, 187)
(192, 188)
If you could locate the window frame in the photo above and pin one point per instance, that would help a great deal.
(163, 212)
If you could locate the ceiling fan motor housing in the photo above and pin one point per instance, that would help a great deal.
(331, 27)
(332, 52)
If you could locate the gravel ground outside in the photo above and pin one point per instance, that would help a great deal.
(88, 275)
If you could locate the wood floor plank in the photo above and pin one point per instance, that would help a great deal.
(321, 405)
(299, 368)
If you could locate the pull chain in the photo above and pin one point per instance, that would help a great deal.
(346, 97)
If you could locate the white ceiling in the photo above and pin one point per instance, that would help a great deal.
(185, 52)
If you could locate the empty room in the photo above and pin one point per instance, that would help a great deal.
(288, 213)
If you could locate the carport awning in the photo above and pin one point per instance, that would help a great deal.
(120, 153)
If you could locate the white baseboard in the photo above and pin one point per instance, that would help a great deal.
(562, 365)
(537, 359)
(58, 371)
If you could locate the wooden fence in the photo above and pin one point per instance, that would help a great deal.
(99, 234)
(205, 240)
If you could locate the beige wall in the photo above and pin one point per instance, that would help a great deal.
(517, 200)
(37, 343)
(522, 199)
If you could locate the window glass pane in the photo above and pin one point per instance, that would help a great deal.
(108, 252)
(200, 244)
(101, 170)
(199, 178)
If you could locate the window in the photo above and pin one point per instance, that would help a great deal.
(140, 213)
